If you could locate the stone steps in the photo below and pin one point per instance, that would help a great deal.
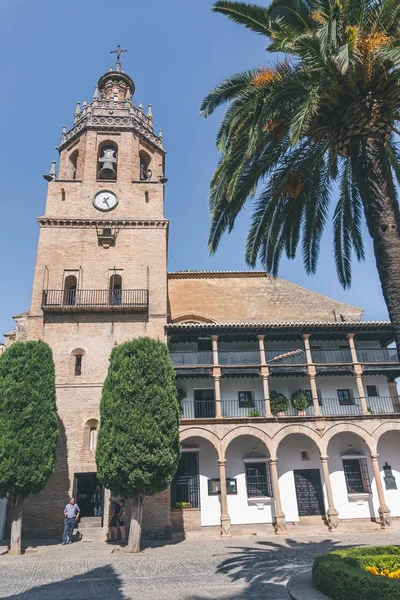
(89, 522)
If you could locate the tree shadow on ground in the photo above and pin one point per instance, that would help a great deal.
(266, 568)
(102, 583)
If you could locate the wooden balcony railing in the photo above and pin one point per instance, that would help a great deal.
(95, 300)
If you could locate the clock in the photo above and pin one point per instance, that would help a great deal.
(105, 200)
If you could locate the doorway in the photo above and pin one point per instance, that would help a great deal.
(204, 404)
(84, 486)
(185, 486)
(310, 499)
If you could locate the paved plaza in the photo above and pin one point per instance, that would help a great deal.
(236, 568)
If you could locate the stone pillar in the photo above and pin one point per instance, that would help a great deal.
(357, 368)
(385, 516)
(216, 377)
(106, 511)
(214, 339)
(225, 518)
(279, 516)
(264, 375)
(393, 392)
(217, 393)
(332, 515)
(312, 372)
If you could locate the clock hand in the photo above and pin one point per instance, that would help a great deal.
(105, 202)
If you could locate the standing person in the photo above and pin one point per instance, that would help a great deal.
(113, 527)
(71, 514)
(97, 501)
(121, 519)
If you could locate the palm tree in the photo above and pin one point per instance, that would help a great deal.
(321, 119)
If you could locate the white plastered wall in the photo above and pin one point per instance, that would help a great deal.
(389, 451)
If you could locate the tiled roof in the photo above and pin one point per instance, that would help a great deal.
(286, 325)
(189, 273)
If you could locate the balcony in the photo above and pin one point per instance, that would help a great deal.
(95, 300)
(330, 407)
(321, 358)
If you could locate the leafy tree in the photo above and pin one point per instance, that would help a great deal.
(138, 445)
(322, 117)
(28, 426)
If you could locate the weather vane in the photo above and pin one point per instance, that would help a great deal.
(118, 51)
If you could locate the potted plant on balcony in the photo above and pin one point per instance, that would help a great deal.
(300, 402)
(279, 404)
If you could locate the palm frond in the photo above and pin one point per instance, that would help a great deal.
(251, 16)
(226, 90)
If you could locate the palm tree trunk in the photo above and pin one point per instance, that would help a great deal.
(373, 176)
(16, 527)
(135, 528)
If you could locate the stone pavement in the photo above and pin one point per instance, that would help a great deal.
(237, 568)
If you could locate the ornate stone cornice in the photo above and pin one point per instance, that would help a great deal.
(113, 116)
(105, 223)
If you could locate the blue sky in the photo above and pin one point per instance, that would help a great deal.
(53, 52)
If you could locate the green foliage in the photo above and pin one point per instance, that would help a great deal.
(300, 400)
(138, 445)
(183, 505)
(28, 418)
(288, 131)
(254, 413)
(341, 574)
(279, 403)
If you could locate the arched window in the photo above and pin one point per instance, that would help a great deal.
(145, 171)
(93, 438)
(78, 355)
(90, 434)
(107, 160)
(73, 163)
(116, 290)
(70, 285)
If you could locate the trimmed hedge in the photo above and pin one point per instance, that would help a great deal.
(341, 574)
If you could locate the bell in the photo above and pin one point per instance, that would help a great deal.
(108, 159)
(107, 171)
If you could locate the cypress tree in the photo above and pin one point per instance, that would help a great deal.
(138, 445)
(28, 426)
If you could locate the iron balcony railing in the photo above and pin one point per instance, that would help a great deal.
(191, 359)
(377, 355)
(230, 408)
(80, 300)
(338, 356)
(334, 356)
(239, 357)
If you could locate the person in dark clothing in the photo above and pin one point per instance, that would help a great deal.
(97, 501)
(121, 519)
(114, 513)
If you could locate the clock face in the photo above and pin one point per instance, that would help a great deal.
(105, 200)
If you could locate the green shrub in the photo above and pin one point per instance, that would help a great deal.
(254, 413)
(183, 505)
(341, 574)
(300, 400)
(279, 403)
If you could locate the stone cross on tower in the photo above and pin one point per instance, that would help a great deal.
(118, 51)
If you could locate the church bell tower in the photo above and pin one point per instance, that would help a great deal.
(100, 276)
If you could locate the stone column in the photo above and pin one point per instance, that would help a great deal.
(264, 375)
(216, 377)
(217, 393)
(225, 518)
(312, 372)
(385, 516)
(357, 368)
(332, 515)
(279, 516)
